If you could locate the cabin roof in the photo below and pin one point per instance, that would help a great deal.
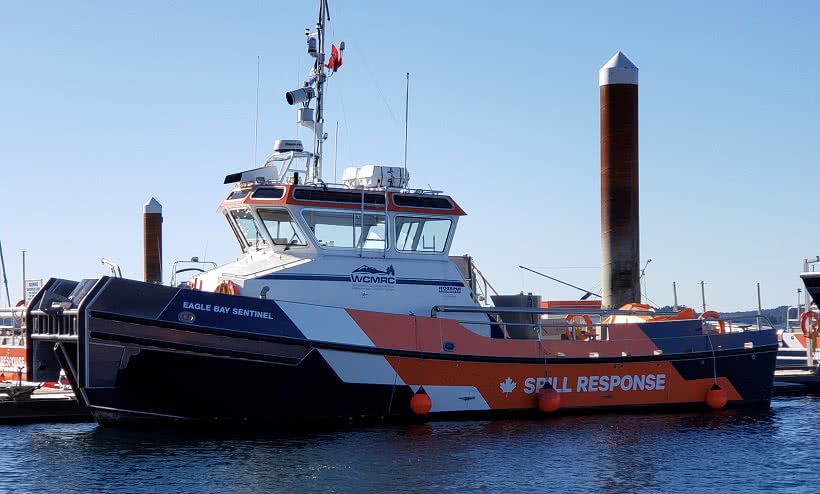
(393, 200)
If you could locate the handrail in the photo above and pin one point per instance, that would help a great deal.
(12, 310)
(528, 310)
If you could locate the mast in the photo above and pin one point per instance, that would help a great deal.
(314, 88)
(406, 110)
(319, 71)
(5, 278)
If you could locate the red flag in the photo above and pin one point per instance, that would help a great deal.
(335, 59)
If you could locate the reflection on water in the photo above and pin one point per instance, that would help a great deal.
(728, 451)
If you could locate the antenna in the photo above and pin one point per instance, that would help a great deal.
(335, 151)
(25, 302)
(406, 107)
(643, 278)
(587, 293)
(256, 127)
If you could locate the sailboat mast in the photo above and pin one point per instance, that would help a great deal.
(319, 70)
(5, 278)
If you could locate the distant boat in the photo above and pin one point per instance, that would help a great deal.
(13, 364)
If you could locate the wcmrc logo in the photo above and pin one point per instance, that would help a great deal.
(369, 275)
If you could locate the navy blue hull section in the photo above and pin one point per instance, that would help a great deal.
(161, 383)
(750, 374)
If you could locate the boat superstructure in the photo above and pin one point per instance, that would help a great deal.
(345, 303)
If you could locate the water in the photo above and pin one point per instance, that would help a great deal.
(728, 451)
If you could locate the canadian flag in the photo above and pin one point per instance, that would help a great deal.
(335, 59)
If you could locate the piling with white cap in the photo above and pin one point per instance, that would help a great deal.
(620, 239)
(152, 230)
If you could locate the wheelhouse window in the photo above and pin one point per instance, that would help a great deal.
(347, 229)
(248, 227)
(281, 227)
(417, 234)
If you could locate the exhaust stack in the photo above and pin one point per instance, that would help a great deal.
(152, 230)
(620, 239)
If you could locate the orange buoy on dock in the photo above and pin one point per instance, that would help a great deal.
(549, 400)
(420, 403)
(716, 397)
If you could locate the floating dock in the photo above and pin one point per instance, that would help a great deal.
(26, 403)
(796, 381)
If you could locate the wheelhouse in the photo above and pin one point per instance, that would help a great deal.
(338, 220)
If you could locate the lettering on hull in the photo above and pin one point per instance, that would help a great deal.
(595, 384)
(223, 309)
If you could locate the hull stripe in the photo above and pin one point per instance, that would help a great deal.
(346, 278)
(361, 368)
(312, 321)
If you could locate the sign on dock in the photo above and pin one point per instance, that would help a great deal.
(32, 287)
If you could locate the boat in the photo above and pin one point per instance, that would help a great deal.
(345, 304)
(794, 338)
(809, 319)
(12, 344)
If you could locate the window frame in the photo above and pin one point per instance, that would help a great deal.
(357, 222)
(445, 249)
(243, 242)
(266, 242)
(294, 222)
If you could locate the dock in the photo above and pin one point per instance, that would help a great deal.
(30, 403)
(793, 381)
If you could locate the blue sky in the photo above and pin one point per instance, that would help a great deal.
(105, 104)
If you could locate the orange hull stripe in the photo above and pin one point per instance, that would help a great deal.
(505, 386)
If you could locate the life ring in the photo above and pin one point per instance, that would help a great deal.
(583, 328)
(227, 287)
(711, 314)
(804, 318)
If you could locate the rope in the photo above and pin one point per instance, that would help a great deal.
(393, 392)
(539, 330)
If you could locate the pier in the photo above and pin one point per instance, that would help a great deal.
(35, 403)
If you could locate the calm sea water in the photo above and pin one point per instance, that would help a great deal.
(728, 451)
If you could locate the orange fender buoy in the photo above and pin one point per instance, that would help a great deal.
(548, 399)
(716, 397)
(420, 403)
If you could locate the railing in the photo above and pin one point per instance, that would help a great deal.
(482, 287)
(527, 310)
(58, 325)
(12, 316)
(542, 326)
